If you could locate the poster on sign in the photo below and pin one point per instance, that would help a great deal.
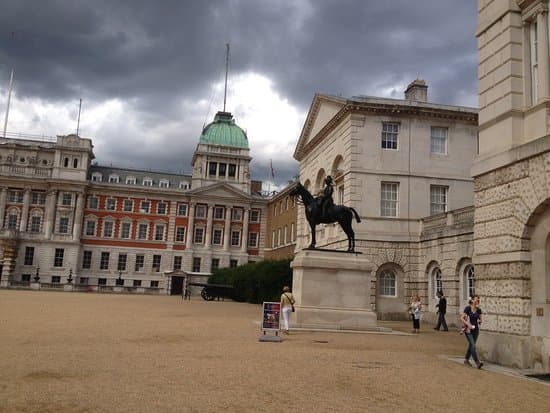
(270, 316)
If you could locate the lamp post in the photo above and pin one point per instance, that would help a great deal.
(70, 279)
(120, 281)
(37, 276)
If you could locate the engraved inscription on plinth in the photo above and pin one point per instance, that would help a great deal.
(332, 290)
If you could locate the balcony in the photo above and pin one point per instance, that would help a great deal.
(23, 170)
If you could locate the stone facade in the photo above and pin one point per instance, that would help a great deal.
(281, 225)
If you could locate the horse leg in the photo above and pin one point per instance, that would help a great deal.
(345, 224)
(313, 241)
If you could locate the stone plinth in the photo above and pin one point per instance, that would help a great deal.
(332, 290)
(35, 286)
(68, 287)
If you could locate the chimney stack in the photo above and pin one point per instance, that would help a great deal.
(417, 90)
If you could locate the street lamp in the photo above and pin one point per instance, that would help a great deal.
(70, 279)
(37, 276)
(120, 281)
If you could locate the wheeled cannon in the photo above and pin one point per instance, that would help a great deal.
(210, 292)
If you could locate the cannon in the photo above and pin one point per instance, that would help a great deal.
(210, 292)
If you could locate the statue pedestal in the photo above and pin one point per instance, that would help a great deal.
(332, 290)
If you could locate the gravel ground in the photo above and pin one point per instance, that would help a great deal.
(78, 352)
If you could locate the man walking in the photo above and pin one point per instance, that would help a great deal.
(441, 310)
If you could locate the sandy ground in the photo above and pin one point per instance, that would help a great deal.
(78, 352)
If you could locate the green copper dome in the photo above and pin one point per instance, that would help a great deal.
(223, 131)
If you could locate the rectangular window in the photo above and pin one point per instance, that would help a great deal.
(26, 278)
(177, 263)
(534, 63)
(108, 229)
(56, 279)
(182, 210)
(236, 214)
(58, 258)
(130, 181)
(38, 198)
(278, 236)
(140, 262)
(159, 232)
(388, 199)
(35, 224)
(390, 131)
(12, 221)
(128, 205)
(438, 199)
(67, 199)
(147, 182)
(233, 263)
(292, 232)
(341, 194)
(235, 238)
(222, 168)
(156, 263)
(137, 283)
(122, 258)
(83, 280)
(212, 168)
(161, 208)
(144, 207)
(15, 196)
(196, 264)
(215, 263)
(63, 225)
(104, 263)
(93, 202)
(285, 229)
(125, 228)
(87, 260)
(154, 284)
(90, 228)
(142, 231)
(180, 234)
(199, 235)
(110, 204)
(29, 255)
(164, 184)
(200, 211)
(232, 170)
(438, 141)
(273, 239)
(217, 236)
(254, 215)
(218, 212)
(253, 240)
(102, 281)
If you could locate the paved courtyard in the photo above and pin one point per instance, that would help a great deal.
(89, 352)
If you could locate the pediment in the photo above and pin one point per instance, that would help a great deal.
(220, 190)
(323, 109)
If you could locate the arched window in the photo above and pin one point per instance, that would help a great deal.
(66, 163)
(75, 163)
(12, 219)
(438, 282)
(386, 283)
(469, 281)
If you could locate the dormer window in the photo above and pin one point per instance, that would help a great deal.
(97, 177)
(164, 183)
(113, 179)
(184, 185)
(147, 181)
(130, 180)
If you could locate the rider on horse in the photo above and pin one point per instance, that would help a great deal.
(326, 200)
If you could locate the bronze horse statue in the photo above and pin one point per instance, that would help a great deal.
(335, 213)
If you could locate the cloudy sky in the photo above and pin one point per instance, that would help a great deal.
(151, 74)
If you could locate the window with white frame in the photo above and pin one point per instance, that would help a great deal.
(199, 235)
(63, 226)
(58, 257)
(90, 228)
(144, 207)
(130, 180)
(140, 263)
(12, 219)
(182, 209)
(341, 194)
(235, 238)
(285, 229)
(38, 198)
(438, 140)
(36, 222)
(180, 234)
(438, 199)
(114, 179)
(273, 239)
(278, 236)
(236, 214)
(122, 260)
(104, 261)
(390, 132)
(67, 199)
(108, 229)
(437, 281)
(125, 229)
(147, 181)
(253, 239)
(218, 212)
(469, 282)
(388, 199)
(164, 183)
(159, 232)
(93, 202)
(110, 204)
(254, 215)
(161, 208)
(29, 256)
(97, 177)
(177, 262)
(183, 185)
(142, 231)
(533, 42)
(387, 283)
(156, 263)
(15, 196)
(292, 232)
(196, 264)
(87, 260)
(128, 205)
(200, 211)
(217, 236)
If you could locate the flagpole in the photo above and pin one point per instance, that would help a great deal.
(78, 122)
(8, 104)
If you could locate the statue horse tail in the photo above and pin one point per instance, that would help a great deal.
(356, 214)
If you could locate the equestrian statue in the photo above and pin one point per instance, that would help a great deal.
(322, 210)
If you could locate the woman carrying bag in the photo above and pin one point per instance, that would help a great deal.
(287, 306)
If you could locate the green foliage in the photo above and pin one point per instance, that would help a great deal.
(256, 282)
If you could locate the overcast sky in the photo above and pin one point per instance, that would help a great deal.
(151, 73)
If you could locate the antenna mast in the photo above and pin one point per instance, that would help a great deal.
(78, 122)
(226, 71)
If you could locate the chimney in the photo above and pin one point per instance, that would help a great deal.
(417, 90)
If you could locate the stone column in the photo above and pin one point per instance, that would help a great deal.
(190, 224)
(25, 212)
(543, 54)
(244, 237)
(227, 229)
(78, 214)
(50, 213)
(3, 197)
(209, 217)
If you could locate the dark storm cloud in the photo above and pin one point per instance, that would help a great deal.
(154, 54)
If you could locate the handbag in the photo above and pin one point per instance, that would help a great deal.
(291, 303)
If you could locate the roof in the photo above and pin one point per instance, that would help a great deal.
(224, 131)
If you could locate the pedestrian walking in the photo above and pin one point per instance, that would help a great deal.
(441, 311)
(287, 306)
(415, 310)
(471, 319)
